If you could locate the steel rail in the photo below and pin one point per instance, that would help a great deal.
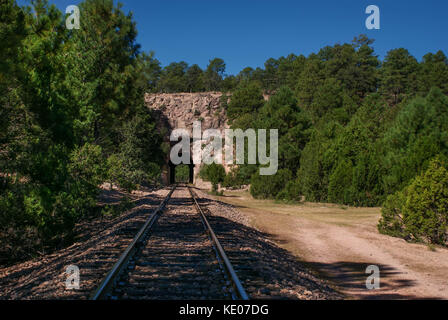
(237, 286)
(110, 280)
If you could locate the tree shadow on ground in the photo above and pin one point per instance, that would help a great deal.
(352, 276)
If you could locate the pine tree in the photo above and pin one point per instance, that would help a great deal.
(399, 74)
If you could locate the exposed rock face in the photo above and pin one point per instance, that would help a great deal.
(182, 109)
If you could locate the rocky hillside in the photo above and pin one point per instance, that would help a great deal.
(182, 109)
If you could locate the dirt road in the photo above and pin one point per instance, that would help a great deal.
(341, 242)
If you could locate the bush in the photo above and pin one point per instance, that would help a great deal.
(232, 180)
(57, 212)
(215, 173)
(183, 173)
(139, 156)
(235, 179)
(118, 174)
(18, 235)
(421, 211)
(267, 187)
(87, 168)
(292, 192)
(425, 212)
(391, 222)
(122, 172)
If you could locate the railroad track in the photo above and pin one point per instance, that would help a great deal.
(175, 255)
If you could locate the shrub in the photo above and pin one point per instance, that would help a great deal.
(267, 187)
(215, 173)
(183, 173)
(391, 222)
(18, 234)
(87, 168)
(420, 212)
(117, 172)
(291, 192)
(57, 212)
(234, 179)
(425, 212)
(36, 217)
(231, 180)
(139, 156)
(123, 172)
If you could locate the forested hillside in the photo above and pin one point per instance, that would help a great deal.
(353, 129)
(72, 116)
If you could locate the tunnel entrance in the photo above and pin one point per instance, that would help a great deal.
(183, 173)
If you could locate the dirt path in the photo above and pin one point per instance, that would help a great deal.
(341, 242)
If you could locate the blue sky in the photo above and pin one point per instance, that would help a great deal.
(248, 32)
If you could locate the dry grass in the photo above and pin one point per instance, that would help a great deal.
(321, 212)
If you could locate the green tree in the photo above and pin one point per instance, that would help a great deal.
(282, 112)
(316, 161)
(172, 78)
(214, 74)
(103, 59)
(246, 74)
(12, 32)
(420, 212)
(140, 153)
(399, 74)
(391, 222)
(433, 72)
(416, 135)
(348, 69)
(71, 101)
(12, 112)
(339, 186)
(327, 97)
(149, 71)
(270, 75)
(194, 79)
(291, 192)
(247, 99)
(309, 80)
(229, 83)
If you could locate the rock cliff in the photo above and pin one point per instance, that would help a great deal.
(180, 110)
